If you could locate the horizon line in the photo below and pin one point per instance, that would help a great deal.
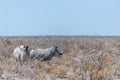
(60, 36)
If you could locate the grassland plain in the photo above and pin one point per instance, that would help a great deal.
(84, 58)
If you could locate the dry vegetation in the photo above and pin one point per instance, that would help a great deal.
(85, 58)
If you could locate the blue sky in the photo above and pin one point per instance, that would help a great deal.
(59, 17)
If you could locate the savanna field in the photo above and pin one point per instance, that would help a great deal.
(84, 58)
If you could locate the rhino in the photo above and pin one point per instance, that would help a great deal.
(21, 53)
(45, 54)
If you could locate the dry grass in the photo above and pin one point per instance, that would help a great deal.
(85, 58)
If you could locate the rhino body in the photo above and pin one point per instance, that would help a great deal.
(21, 53)
(44, 54)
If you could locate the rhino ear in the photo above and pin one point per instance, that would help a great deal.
(20, 47)
(55, 47)
(26, 47)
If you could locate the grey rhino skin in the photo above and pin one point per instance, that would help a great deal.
(20, 53)
(45, 54)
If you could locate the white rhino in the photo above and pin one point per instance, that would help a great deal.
(21, 53)
(44, 54)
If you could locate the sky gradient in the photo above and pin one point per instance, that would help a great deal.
(59, 17)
